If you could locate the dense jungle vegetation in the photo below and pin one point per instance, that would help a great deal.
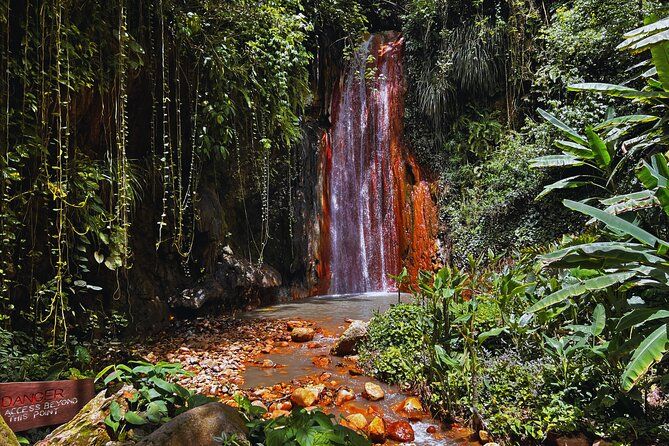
(143, 140)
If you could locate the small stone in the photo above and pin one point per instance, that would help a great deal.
(431, 429)
(343, 395)
(267, 364)
(357, 421)
(412, 409)
(373, 392)
(284, 405)
(279, 413)
(300, 334)
(258, 403)
(377, 430)
(321, 361)
(400, 431)
(304, 397)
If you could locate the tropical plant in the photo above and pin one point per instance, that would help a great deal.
(602, 155)
(300, 428)
(156, 397)
(629, 258)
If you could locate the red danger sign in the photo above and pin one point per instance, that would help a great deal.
(46, 403)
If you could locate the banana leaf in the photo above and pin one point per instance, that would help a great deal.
(650, 351)
(617, 91)
(630, 119)
(617, 223)
(656, 26)
(608, 253)
(602, 155)
(565, 183)
(571, 133)
(575, 149)
(598, 283)
(640, 316)
(621, 204)
(555, 161)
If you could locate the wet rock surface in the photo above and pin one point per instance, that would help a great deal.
(223, 352)
(198, 427)
(348, 342)
(234, 281)
(87, 428)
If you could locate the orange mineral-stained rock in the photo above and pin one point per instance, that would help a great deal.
(400, 431)
(279, 413)
(373, 392)
(411, 408)
(300, 334)
(377, 430)
(304, 397)
(294, 324)
(357, 421)
(321, 361)
(344, 395)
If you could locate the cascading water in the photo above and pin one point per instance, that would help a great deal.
(365, 169)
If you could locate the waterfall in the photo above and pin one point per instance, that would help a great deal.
(366, 170)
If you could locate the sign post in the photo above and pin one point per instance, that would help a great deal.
(35, 404)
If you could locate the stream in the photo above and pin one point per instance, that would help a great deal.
(298, 362)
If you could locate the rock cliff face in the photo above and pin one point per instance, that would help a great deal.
(351, 175)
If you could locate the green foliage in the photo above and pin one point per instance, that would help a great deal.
(632, 258)
(155, 399)
(394, 342)
(300, 428)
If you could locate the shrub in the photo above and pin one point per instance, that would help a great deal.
(393, 349)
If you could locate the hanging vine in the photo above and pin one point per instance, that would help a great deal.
(85, 106)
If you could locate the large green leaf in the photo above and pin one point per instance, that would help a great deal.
(655, 26)
(598, 320)
(655, 174)
(617, 91)
(617, 223)
(565, 183)
(555, 161)
(640, 316)
(626, 120)
(650, 351)
(637, 45)
(629, 202)
(601, 255)
(571, 133)
(576, 149)
(597, 283)
(660, 56)
(598, 146)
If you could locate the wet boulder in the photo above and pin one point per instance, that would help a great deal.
(357, 421)
(234, 282)
(348, 342)
(373, 392)
(302, 334)
(87, 428)
(376, 431)
(412, 409)
(344, 395)
(199, 426)
(400, 431)
(7, 437)
(305, 396)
